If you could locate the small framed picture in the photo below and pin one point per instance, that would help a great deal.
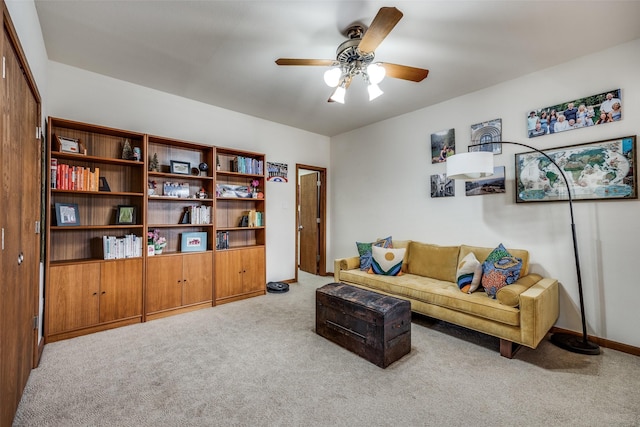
(193, 242)
(182, 168)
(125, 215)
(104, 185)
(67, 214)
(70, 145)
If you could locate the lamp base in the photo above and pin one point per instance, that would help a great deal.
(575, 344)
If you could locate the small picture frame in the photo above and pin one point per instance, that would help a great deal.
(125, 215)
(181, 168)
(67, 214)
(104, 185)
(193, 242)
(70, 145)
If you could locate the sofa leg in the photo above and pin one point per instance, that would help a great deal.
(508, 349)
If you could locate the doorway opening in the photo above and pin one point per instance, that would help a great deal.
(311, 212)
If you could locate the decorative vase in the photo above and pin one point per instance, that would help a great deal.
(157, 251)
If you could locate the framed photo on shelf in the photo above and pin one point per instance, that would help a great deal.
(193, 242)
(602, 170)
(175, 189)
(67, 214)
(104, 185)
(182, 168)
(125, 214)
(70, 145)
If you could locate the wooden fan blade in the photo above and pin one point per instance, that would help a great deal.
(405, 72)
(382, 24)
(320, 62)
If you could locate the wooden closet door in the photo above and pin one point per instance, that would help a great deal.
(19, 211)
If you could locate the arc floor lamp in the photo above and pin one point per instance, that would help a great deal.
(479, 164)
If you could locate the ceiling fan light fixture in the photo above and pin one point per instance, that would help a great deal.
(376, 73)
(374, 91)
(338, 94)
(332, 76)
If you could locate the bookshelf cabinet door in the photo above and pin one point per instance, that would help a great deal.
(228, 273)
(198, 279)
(164, 282)
(74, 298)
(253, 279)
(121, 289)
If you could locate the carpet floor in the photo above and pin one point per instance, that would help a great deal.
(259, 362)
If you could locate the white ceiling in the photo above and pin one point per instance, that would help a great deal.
(222, 52)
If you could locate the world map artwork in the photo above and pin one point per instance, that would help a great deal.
(602, 170)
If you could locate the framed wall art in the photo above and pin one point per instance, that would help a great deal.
(602, 170)
(485, 132)
(441, 186)
(443, 145)
(605, 107)
(492, 185)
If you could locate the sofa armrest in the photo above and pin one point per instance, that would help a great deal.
(538, 311)
(344, 264)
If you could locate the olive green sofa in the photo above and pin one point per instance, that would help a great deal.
(521, 314)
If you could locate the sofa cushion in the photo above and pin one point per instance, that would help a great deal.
(510, 295)
(437, 262)
(469, 273)
(364, 250)
(387, 261)
(499, 269)
(482, 253)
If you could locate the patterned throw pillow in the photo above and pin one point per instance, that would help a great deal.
(499, 269)
(387, 261)
(469, 273)
(364, 250)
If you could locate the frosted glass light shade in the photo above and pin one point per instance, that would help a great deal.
(332, 77)
(338, 94)
(469, 166)
(376, 73)
(374, 91)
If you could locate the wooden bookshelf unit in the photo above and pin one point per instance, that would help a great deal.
(169, 187)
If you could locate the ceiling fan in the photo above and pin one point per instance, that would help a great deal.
(355, 57)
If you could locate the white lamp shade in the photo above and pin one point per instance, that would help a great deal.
(338, 94)
(374, 91)
(376, 73)
(332, 77)
(469, 166)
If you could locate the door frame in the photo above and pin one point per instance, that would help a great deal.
(322, 230)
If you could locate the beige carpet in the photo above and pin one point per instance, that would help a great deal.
(259, 363)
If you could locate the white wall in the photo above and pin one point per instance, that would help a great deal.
(81, 95)
(381, 173)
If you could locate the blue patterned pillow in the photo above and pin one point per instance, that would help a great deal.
(499, 270)
(364, 250)
(387, 261)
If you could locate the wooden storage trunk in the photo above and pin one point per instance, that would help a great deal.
(372, 325)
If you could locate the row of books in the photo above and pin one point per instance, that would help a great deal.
(247, 165)
(256, 219)
(198, 214)
(222, 240)
(128, 246)
(66, 177)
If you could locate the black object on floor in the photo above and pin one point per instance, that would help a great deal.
(277, 287)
